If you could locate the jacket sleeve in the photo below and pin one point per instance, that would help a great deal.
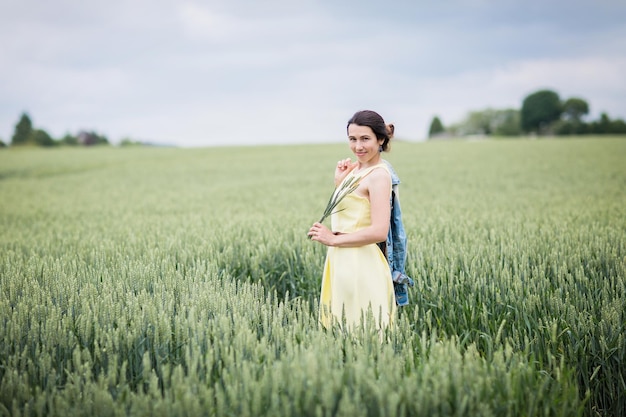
(398, 236)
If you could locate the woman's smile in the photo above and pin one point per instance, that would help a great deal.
(364, 144)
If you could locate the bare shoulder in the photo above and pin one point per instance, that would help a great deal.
(379, 177)
(381, 172)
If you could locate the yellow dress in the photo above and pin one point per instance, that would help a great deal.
(358, 278)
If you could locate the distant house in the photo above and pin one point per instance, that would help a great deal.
(90, 138)
(86, 138)
(441, 136)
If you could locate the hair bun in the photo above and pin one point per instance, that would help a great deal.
(390, 130)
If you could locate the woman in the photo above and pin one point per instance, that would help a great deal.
(356, 273)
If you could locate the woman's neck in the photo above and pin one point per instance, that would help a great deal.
(372, 162)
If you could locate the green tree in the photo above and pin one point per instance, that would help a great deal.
(130, 142)
(436, 127)
(23, 130)
(603, 125)
(500, 122)
(607, 126)
(618, 127)
(569, 127)
(69, 139)
(575, 108)
(42, 138)
(478, 123)
(539, 110)
(506, 123)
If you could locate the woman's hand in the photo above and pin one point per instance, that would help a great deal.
(322, 234)
(344, 167)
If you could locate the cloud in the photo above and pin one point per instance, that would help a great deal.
(201, 22)
(198, 22)
(216, 72)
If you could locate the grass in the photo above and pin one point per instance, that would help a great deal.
(180, 282)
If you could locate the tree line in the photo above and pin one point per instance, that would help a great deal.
(543, 113)
(26, 134)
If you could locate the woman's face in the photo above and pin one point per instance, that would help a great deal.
(363, 142)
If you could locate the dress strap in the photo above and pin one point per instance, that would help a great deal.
(352, 175)
(366, 171)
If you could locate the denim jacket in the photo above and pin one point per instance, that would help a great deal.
(396, 245)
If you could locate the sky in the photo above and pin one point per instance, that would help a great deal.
(246, 72)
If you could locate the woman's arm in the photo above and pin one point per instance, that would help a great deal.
(377, 187)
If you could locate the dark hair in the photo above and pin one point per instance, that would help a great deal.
(375, 122)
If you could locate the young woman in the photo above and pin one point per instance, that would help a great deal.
(356, 274)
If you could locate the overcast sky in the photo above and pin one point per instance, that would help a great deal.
(219, 72)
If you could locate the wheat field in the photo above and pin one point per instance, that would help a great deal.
(180, 282)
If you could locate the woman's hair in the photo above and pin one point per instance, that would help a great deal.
(375, 122)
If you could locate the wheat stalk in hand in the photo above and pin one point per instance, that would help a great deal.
(339, 194)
